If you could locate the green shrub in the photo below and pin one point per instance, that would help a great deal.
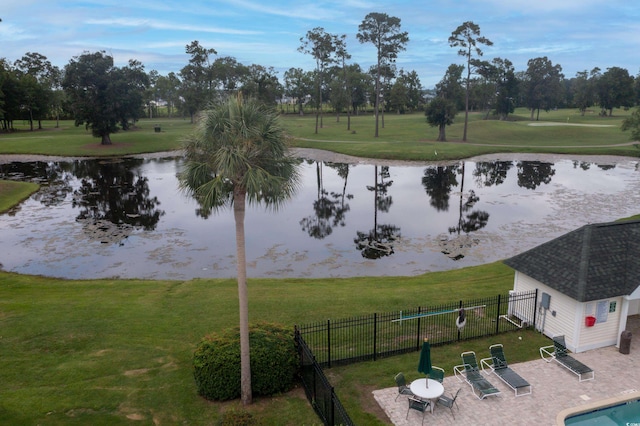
(274, 362)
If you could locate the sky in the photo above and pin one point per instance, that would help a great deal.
(577, 34)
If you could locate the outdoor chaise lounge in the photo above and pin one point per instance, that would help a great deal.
(498, 365)
(560, 355)
(470, 373)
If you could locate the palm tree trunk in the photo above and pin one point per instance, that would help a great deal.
(243, 297)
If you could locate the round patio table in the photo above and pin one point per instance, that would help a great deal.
(431, 393)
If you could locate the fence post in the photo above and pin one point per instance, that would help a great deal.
(329, 343)
(418, 329)
(332, 410)
(375, 335)
(535, 310)
(498, 315)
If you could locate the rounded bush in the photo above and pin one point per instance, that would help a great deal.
(274, 362)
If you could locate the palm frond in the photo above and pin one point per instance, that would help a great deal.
(239, 143)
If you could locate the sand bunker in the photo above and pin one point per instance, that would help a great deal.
(553, 123)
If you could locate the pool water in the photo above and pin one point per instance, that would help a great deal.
(627, 414)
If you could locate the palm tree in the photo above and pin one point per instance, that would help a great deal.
(238, 152)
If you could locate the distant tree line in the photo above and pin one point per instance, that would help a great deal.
(95, 93)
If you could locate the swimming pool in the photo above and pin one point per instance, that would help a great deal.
(623, 411)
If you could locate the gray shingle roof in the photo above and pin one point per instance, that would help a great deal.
(596, 261)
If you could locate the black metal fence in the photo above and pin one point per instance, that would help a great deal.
(378, 335)
(319, 391)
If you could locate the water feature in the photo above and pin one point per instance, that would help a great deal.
(127, 218)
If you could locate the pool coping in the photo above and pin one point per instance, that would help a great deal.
(603, 403)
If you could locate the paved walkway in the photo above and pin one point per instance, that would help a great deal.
(554, 389)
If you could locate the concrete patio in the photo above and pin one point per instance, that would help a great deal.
(554, 389)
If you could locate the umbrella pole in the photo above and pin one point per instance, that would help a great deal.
(426, 380)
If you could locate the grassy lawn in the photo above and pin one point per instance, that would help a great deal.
(72, 141)
(12, 192)
(119, 351)
(105, 351)
(404, 137)
(408, 137)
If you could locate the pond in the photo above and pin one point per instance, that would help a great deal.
(127, 218)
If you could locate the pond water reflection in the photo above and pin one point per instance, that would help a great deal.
(127, 218)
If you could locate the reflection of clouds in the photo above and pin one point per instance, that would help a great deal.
(49, 241)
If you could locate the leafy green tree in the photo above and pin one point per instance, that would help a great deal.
(467, 37)
(341, 93)
(632, 123)
(38, 80)
(387, 73)
(10, 95)
(615, 89)
(636, 87)
(542, 85)
(102, 96)
(262, 83)
(440, 113)
(359, 84)
(33, 98)
(450, 87)
(229, 74)
(197, 78)
(297, 85)
(413, 87)
(319, 44)
(398, 97)
(584, 89)
(503, 84)
(384, 32)
(132, 85)
(151, 96)
(168, 89)
(338, 95)
(237, 153)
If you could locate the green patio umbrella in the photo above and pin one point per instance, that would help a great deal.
(424, 366)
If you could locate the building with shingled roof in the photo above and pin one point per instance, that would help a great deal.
(588, 283)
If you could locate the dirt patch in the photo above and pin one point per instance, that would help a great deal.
(135, 416)
(553, 123)
(138, 372)
(93, 146)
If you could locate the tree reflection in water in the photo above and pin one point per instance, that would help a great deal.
(113, 200)
(329, 208)
(378, 242)
(74, 225)
(532, 174)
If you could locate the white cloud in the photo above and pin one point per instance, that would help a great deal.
(158, 25)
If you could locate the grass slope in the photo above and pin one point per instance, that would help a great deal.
(12, 192)
(108, 351)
